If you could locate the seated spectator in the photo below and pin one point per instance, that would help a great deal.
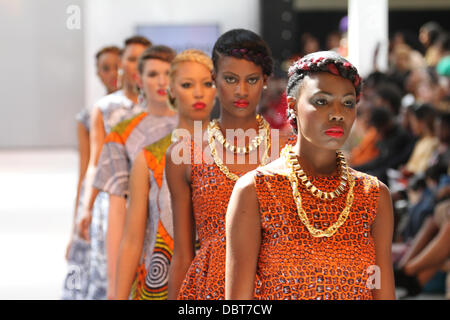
(429, 251)
(395, 145)
(428, 35)
(421, 195)
(423, 84)
(441, 155)
(364, 148)
(422, 123)
(388, 95)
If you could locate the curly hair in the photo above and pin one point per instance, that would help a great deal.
(243, 44)
(321, 61)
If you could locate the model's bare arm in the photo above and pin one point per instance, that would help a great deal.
(382, 232)
(132, 240)
(183, 222)
(243, 236)
(96, 139)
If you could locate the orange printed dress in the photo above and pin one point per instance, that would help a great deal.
(294, 265)
(211, 192)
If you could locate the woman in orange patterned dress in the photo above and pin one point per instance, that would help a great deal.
(147, 243)
(306, 226)
(200, 189)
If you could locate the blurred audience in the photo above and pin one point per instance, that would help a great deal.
(429, 33)
(423, 127)
(393, 143)
(402, 136)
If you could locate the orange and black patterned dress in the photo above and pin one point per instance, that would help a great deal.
(211, 192)
(294, 265)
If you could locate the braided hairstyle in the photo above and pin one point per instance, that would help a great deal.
(243, 44)
(321, 61)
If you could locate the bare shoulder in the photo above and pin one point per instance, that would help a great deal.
(243, 201)
(384, 200)
(140, 163)
(275, 167)
(178, 154)
(246, 183)
(178, 159)
(96, 112)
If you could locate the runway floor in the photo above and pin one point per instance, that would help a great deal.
(37, 192)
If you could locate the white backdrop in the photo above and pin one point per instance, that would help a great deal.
(110, 22)
(41, 73)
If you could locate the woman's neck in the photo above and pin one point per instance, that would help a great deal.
(130, 91)
(228, 121)
(190, 125)
(160, 109)
(314, 160)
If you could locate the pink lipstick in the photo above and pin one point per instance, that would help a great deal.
(199, 105)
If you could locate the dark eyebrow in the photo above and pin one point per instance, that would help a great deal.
(330, 94)
(236, 75)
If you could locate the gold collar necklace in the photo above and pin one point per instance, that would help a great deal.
(294, 168)
(253, 145)
(213, 129)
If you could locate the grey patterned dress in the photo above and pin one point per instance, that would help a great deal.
(115, 108)
(86, 277)
(76, 281)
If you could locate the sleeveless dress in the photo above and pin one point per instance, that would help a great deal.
(115, 108)
(76, 281)
(211, 192)
(294, 265)
(152, 276)
(121, 147)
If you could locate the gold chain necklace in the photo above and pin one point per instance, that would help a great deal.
(316, 192)
(253, 145)
(285, 153)
(222, 167)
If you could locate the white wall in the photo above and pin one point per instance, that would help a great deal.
(367, 28)
(41, 74)
(108, 22)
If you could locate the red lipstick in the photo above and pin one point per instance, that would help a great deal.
(241, 103)
(335, 132)
(199, 105)
(161, 92)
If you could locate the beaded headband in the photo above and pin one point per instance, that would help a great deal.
(344, 69)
